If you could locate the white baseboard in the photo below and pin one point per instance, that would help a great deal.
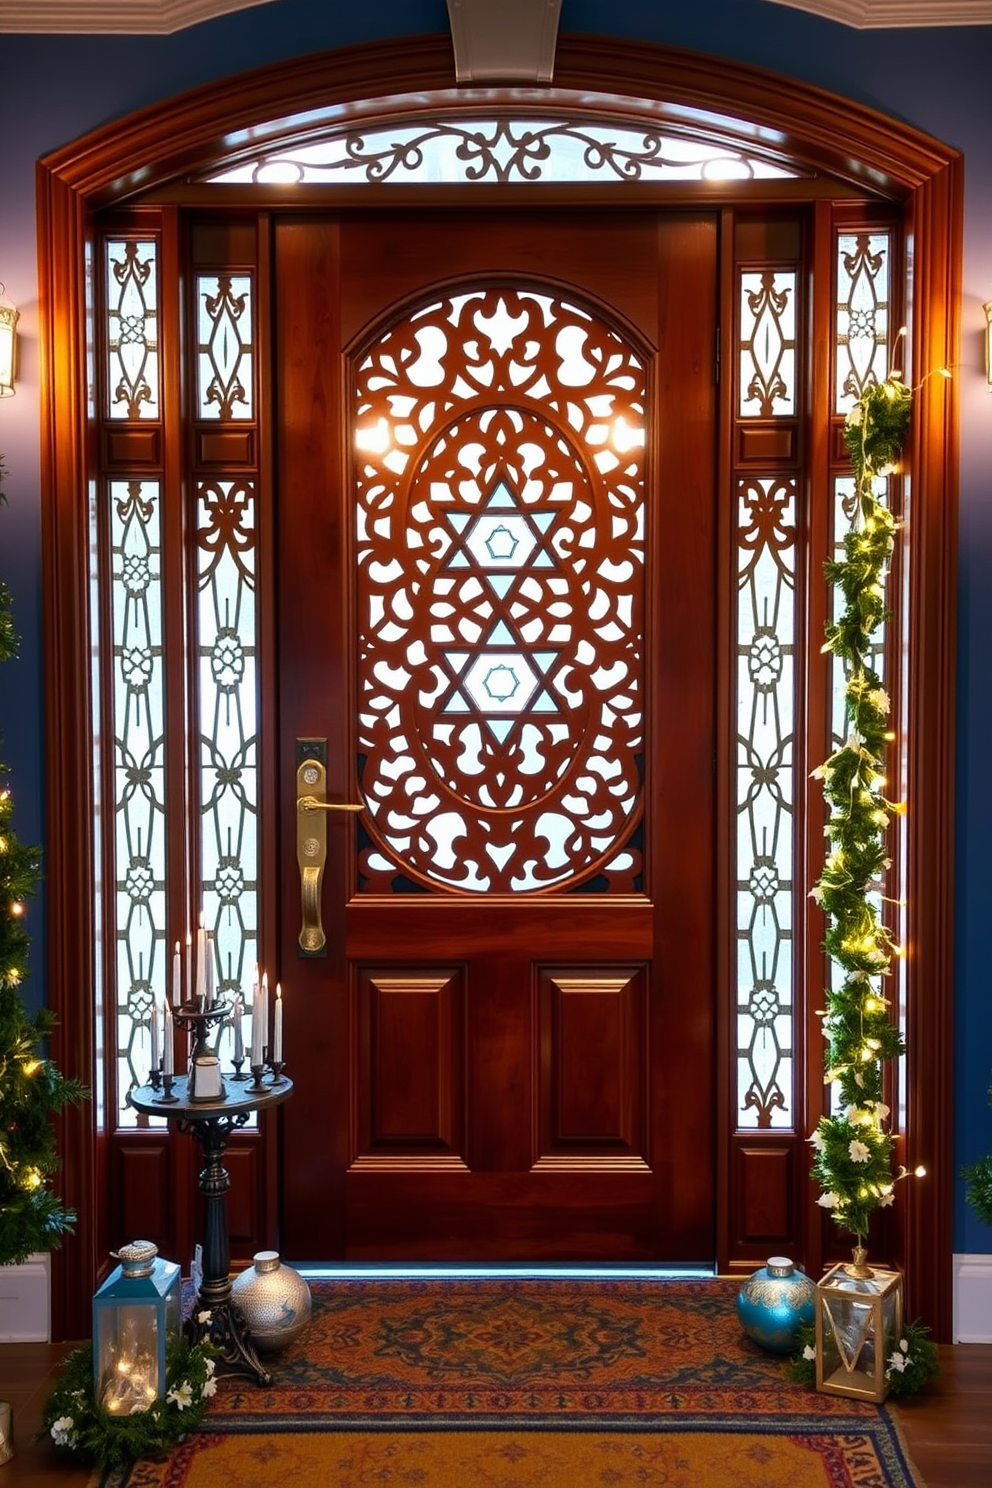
(973, 1299)
(25, 1291)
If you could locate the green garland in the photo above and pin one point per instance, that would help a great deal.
(79, 1428)
(978, 1177)
(32, 1090)
(853, 1148)
(911, 1359)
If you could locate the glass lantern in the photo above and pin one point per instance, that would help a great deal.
(136, 1314)
(858, 1323)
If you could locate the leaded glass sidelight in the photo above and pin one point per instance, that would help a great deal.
(138, 703)
(226, 647)
(132, 355)
(766, 637)
(500, 560)
(767, 347)
(863, 313)
(225, 347)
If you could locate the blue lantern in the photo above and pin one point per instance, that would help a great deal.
(136, 1314)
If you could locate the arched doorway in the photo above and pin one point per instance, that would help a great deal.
(759, 1194)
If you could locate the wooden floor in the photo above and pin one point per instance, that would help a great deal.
(947, 1430)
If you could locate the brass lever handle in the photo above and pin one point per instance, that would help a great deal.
(310, 803)
(311, 845)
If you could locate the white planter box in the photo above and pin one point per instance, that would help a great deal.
(24, 1301)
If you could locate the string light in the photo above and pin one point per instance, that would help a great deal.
(857, 1027)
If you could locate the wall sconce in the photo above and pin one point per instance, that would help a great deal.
(8, 341)
(988, 343)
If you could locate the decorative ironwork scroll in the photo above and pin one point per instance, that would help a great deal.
(862, 308)
(225, 347)
(500, 582)
(226, 646)
(132, 360)
(501, 148)
(138, 703)
(766, 635)
(767, 348)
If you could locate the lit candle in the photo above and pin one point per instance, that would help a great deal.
(177, 978)
(277, 1031)
(256, 1026)
(168, 1057)
(210, 969)
(201, 965)
(265, 1012)
(154, 1033)
(189, 965)
(239, 1046)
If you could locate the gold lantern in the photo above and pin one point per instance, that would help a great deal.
(858, 1323)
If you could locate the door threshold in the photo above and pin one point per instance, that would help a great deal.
(552, 1270)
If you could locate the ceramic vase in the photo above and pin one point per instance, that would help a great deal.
(773, 1304)
(274, 1301)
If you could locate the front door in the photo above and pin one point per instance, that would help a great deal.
(495, 519)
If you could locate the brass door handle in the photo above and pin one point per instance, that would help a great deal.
(312, 810)
(310, 803)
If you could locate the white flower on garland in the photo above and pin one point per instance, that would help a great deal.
(64, 1432)
(209, 1388)
(829, 1200)
(899, 1358)
(816, 1141)
(858, 1151)
(809, 1353)
(182, 1395)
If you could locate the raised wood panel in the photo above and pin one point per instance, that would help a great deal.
(226, 447)
(143, 1183)
(132, 447)
(765, 1195)
(243, 1218)
(761, 444)
(410, 1080)
(592, 1087)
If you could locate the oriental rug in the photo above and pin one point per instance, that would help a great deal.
(531, 1381)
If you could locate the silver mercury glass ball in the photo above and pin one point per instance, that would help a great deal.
(773, 1304)
(274, 1301)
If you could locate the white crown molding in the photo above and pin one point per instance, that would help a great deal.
(113, 17)
(866, 15)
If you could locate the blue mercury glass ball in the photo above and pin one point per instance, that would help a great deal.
(773, 1304)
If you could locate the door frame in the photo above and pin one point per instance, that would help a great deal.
(163, 144)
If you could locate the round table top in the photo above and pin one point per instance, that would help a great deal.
(240, 1096)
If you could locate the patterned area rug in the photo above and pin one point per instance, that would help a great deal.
(519, 1382)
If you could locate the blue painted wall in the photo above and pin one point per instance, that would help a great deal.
(56, 89)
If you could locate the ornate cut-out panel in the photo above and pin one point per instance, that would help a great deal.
(225, 369)
(864, 339)
(504, 148)
(132, 355)
(766, 722)
(137, 699)
(226, 644)
(500, 556)
(767, 348)
(593, 1081)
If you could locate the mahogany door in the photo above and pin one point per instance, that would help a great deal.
(496, 557)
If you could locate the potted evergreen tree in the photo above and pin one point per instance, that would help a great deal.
(32, 1217)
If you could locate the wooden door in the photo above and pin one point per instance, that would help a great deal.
(496, 602)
